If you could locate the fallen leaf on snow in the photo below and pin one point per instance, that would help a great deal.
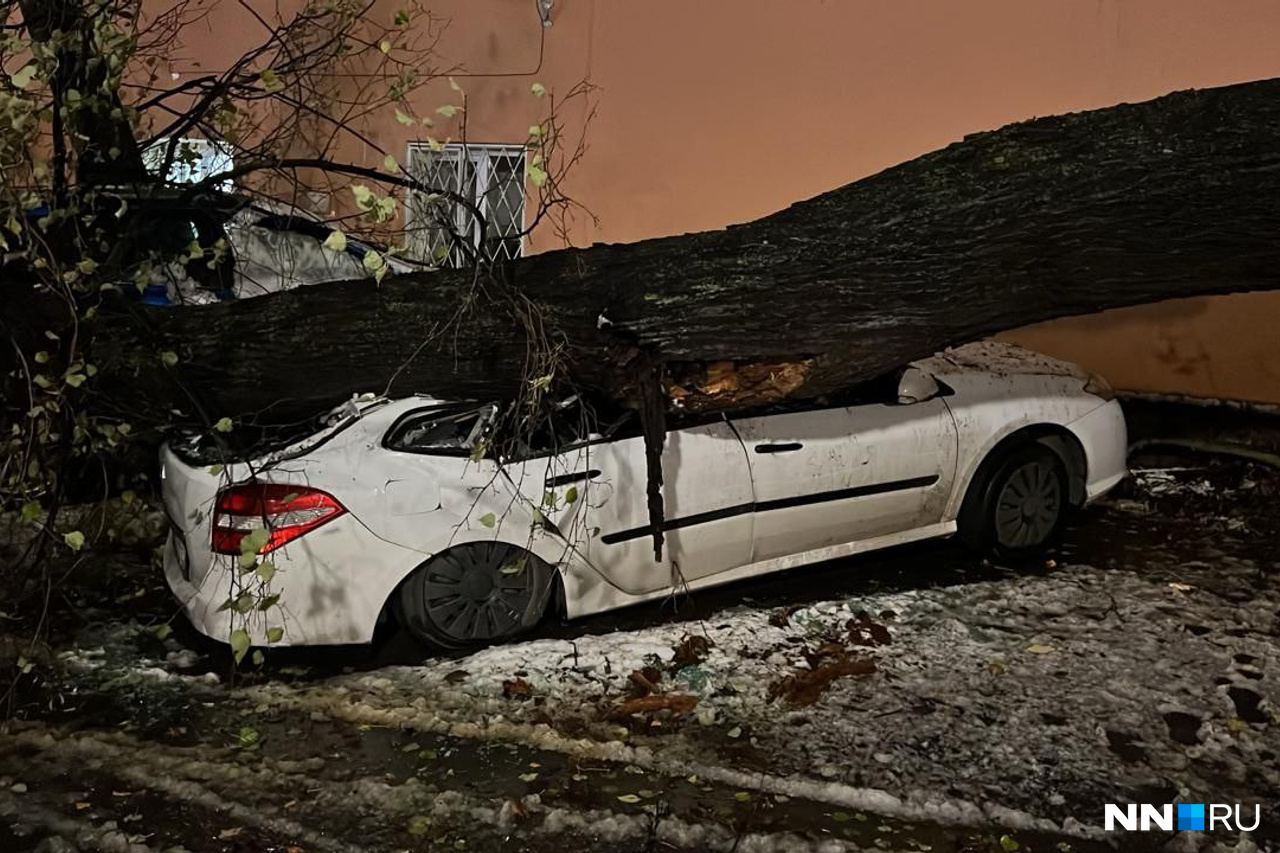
(1038, 649)
(691, 649)
(678, 704)
(230, 833)
(865, 631)
(517, 688)
(1181, 587)
(644, 681)
(805, 687)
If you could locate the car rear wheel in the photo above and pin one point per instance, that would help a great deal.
(1017, 505)
(475, 594)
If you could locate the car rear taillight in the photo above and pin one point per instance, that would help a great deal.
(287, 512)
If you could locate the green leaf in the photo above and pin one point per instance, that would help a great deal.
(538, 90)
(404, 118)
(742, 796)
(239, 643)
(74, 540)
(364, 196)
(373, 261)
(223, 425)
(385, 46)
(1009, 844)
(258, 657)
(275, 635)
(336, 241)
(528, 777)
(389, 163)
(23, 76)
(448, 110)
(41, 357)
(628, 798)
(571, 496)
(418, 825)
(269, 602)
(537, 175)
(168, 358)
(488, 519)
(162, 631)
(841, 817)
(248, 737)
(87, 266)
(255, 540)
(30, 511)
(271, 81)
(266, 571)
(75, 380)
(215, 470)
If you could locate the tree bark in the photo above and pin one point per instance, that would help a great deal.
(1179, 196)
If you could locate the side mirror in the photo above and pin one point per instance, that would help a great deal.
(916, 386)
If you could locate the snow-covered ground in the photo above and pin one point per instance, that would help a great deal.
(1139, 665)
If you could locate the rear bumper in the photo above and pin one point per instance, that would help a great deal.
(1104, 437)
(332, 584)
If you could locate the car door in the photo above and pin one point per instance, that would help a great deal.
(707, 498)
(849, 473)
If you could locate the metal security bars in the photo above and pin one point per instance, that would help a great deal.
(490, 177)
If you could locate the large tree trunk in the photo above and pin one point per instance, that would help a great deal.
(1179, 196)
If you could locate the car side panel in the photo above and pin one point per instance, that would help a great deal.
(989, 408)
(1104, 437)
(847, 474)
(706, 505)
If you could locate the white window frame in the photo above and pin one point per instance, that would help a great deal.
(480, 158)
(214, 158)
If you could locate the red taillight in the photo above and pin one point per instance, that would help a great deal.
(287, 512)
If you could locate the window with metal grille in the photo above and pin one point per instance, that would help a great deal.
(490, 178)
(194, 159)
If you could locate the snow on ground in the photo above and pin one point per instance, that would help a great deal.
(1026, 692)
(1141, 667)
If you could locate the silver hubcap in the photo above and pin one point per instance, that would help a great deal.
(1028, 507)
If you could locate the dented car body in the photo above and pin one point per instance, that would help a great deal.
(391, 513)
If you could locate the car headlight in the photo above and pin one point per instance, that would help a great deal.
(1099, 387)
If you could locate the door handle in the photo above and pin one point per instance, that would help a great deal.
(566, 479)
(784, 447)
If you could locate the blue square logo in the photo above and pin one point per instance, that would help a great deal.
(1191, 816)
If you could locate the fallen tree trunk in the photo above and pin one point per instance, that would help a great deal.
(1179, 196)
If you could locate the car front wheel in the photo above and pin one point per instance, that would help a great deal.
(1017, 506)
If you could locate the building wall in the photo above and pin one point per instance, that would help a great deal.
(719, 111)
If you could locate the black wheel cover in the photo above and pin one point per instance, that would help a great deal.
(473, 594)
(1028, 505)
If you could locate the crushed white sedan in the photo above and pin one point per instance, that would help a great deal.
(394, 513)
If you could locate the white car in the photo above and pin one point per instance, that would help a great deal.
(394, 511)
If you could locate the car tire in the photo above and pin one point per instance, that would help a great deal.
(473, 595)
(1017, 504)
